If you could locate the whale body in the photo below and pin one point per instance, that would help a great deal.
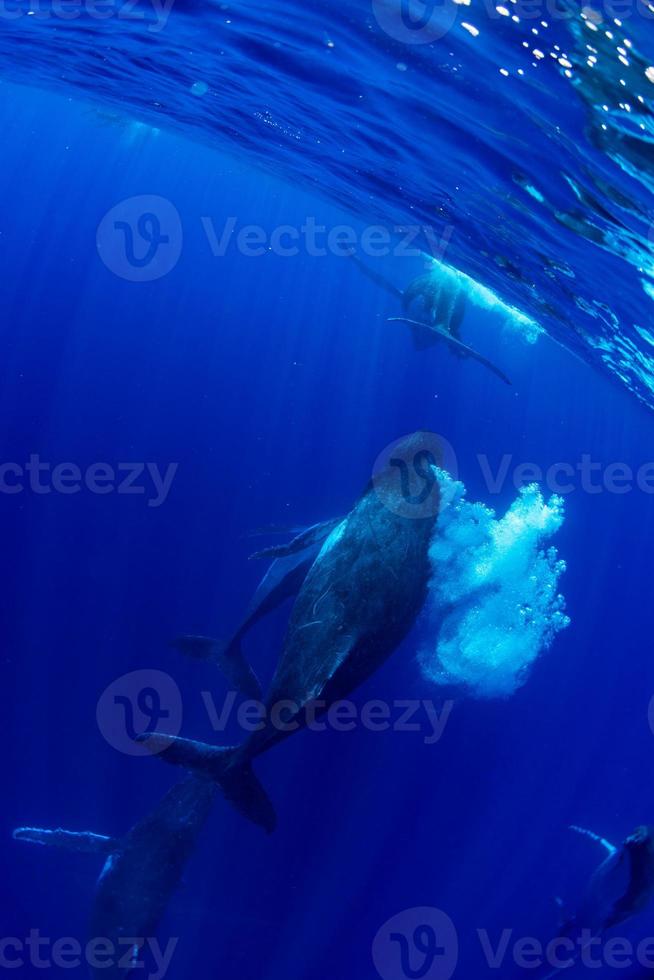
(140, 873)
(358, 601)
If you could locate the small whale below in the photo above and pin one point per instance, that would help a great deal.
(619, 888)
(361, 596)
(622, 885)
(140, 873)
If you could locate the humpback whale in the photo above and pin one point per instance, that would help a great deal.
(141, 870)
(441, 303)
(621, 886)
(358, 601)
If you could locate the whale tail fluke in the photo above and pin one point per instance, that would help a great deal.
(236, 779)
(69, 840)
(228, 656)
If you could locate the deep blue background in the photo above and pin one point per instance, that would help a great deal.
(274, 383)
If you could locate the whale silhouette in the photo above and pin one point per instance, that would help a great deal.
(358, 601)
(141, 870)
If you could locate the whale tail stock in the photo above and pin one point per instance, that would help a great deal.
(236, 778)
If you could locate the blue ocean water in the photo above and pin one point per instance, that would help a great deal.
(270, 383)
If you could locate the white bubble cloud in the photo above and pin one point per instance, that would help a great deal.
(493, 600)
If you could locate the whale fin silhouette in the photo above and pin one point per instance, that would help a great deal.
(228, 656)
(309, 537)
(456, 345)
(236, 779)
(69, 840)
(610, 848)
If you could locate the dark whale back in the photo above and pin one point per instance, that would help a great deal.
(359, 600)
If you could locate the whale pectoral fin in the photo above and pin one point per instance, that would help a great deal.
(228, 656)
(423, 336)
(236, 779)
(610, 848)
(456, 345)
(305, 539)
(274, 551)
(69, 840)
